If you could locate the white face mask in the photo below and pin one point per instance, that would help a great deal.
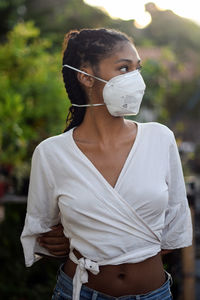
(122, 94)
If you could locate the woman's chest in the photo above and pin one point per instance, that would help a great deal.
(108, 161)
(141, 183)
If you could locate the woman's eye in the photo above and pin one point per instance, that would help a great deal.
(139, 68)
(124, 69)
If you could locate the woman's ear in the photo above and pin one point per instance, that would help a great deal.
(84, 79)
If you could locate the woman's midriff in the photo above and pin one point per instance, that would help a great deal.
(124, 279)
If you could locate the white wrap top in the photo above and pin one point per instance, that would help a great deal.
(145, 212)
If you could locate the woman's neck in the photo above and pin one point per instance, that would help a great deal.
(99, 125)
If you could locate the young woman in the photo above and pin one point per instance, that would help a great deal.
(116, 185)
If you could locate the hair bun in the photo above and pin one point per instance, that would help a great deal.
(73, 34)
(69, 36)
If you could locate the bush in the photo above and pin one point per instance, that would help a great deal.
(33, 102)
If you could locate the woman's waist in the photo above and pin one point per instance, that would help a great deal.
(106, 253)
(123, 279)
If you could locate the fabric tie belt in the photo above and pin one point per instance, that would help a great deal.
(81, 274)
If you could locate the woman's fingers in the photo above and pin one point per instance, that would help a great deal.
(53, 246)
(56, 246)
(55, 232)
(55, 241)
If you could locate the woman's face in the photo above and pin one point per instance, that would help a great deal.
(123, 59)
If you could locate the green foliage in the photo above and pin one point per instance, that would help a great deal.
(168, 94)
(33, 102)
(155, 76)
(55, 18)
(10, 13)
(159, 84)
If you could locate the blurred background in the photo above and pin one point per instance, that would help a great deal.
(34, 105)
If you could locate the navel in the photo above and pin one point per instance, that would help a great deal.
(121, 275)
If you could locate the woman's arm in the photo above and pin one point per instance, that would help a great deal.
(42, 205)
(177, 231)
(55, 241)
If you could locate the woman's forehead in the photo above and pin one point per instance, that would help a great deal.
(124, 52)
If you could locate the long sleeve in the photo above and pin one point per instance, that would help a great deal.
(42, 208)
(177, 231)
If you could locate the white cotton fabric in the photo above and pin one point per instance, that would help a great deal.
(145, 212)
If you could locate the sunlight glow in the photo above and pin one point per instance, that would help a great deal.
(134, 9)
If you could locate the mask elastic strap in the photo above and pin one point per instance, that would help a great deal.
(80, 71)
(87, 105)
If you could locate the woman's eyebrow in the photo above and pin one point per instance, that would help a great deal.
(123, 59)
(126, 60)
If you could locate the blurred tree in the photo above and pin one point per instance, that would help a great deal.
(173, 91)
(167, 28)
(11, 12)
(55, 18)
(33, 102)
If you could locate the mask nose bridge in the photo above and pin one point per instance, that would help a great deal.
(80, 71)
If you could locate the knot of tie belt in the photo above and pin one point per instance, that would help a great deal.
(81, 274)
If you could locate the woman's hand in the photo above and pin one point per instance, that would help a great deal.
(55, 241)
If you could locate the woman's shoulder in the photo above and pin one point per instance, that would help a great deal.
(156, 128)
(55, 143)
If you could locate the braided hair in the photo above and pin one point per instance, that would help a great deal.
(79, 47)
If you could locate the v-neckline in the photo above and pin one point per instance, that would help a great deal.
(125, 165)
